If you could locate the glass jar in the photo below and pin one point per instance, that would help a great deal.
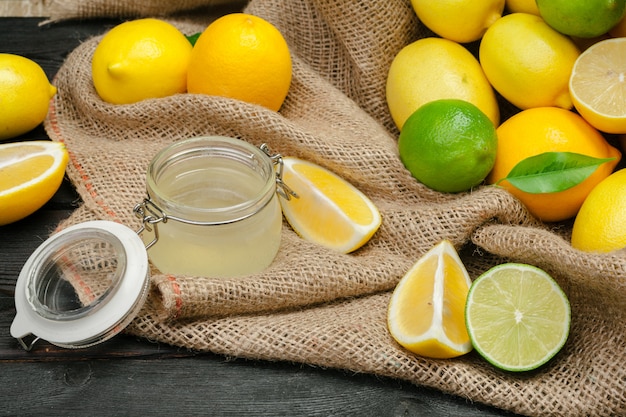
(81, 286)
(211, 208)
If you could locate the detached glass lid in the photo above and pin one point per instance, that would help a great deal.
(82, 286)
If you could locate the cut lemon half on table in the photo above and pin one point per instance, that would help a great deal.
(30, 173)
(517, 316)
(598, 85)
(329, 210)
(426, 312)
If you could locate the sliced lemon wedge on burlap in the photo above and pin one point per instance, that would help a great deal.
(328, 210)
(30, 173)
(426, 312)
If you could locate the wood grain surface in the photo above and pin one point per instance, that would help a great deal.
(131, 377)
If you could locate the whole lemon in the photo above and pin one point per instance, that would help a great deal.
(550, 129)
(435, 68)
(448, 145)
(25, 94)
(600, 225)
(528, 62)
(582, 18)
(244, 57)
(458, 20)
(141, 59)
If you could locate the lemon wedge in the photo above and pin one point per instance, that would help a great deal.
(328, 211)
(30, 173)
(426, 312)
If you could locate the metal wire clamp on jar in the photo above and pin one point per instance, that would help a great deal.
(212, 207)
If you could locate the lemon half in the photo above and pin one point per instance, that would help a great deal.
(30, 173)
(598, 85)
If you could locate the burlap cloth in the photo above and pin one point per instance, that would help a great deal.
(312, 305)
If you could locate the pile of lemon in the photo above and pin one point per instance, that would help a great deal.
(243, 57)
(560, 65)
(239, 56)
(562, 75)
(444, 101)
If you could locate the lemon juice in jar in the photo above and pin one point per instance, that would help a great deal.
(212, 208)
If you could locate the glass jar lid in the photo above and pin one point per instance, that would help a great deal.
(81, 286)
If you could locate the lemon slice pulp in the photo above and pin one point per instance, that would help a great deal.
(426, 312)
(30, 173)
(329, 210)
(598, 85)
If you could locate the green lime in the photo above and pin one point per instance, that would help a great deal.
(448, 145)
(582, 18)
(517, 316)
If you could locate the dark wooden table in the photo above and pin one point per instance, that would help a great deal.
(128, 376)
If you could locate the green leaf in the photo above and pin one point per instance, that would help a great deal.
(193, 38)
(551, 172)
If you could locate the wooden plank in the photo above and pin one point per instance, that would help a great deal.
(212, 386)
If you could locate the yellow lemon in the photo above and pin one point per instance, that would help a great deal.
(598, 85)
(25, 94)
(426, 313)
(329, 210)
(550, 129)
(434, 68)
(244, 57)
(141, 59)
(458, 20)
(528, 62)
(522, 6)
(600, 225)
(30, 173)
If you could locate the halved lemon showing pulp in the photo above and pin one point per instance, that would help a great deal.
(30, 173)
(598, 85)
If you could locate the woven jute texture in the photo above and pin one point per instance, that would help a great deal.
(72, 9)
(315, 306)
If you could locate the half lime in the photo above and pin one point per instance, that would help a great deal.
(517, 316)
